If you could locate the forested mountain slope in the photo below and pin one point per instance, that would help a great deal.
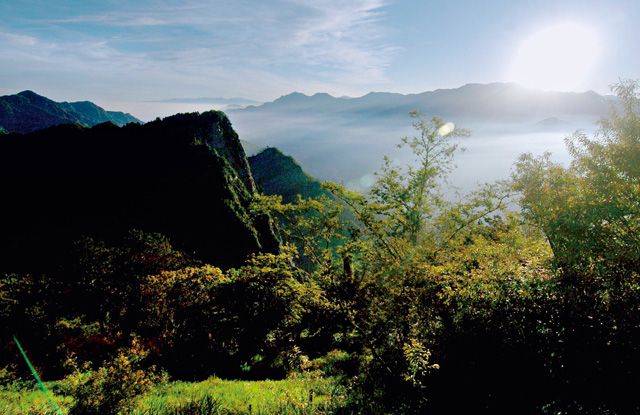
(185, 176)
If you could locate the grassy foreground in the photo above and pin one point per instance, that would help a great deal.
(212, 396)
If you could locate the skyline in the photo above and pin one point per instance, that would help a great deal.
(121, 55)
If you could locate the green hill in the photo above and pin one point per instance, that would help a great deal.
(27, 112)
(276, 173)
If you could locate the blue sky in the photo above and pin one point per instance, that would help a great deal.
(116, 52)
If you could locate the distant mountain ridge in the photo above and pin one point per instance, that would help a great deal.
(494, 101)
(344, 139)
(27, 112)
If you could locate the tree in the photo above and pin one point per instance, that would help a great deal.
(408, 197)
(590, 212)
(590, 215)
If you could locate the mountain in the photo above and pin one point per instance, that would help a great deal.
(27, 112)
(345, 139)
(278, 174)
(185, 176)
(495, 101)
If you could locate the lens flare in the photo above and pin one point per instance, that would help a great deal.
(446, 128)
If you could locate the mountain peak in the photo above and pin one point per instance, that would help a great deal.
(291, 97)
(276, 173)
(322, 95)
(299, 96)
(31, 96)
(29, 93)
(28, 111)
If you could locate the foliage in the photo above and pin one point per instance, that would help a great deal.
(197, 325)
(408, 198)
(444, 294)
(112, 388)
(28, 399)
(590, 212)
(90, 313)
(299, 395)
(314, 226)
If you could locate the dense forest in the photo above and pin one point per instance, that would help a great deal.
(142, 255)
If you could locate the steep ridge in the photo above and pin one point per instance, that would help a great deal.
(27, 112)
(278, 174)
(185, 176)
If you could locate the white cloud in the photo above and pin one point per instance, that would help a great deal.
(155, 50)
(17, 39)
(344, 39)
(112, 19)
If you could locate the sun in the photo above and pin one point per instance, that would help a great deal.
(559, 57)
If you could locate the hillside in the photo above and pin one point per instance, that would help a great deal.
(185, 176)
(278, 174)
(27, 112)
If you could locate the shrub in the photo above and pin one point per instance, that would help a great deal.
(112, 388)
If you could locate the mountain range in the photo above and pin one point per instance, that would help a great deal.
(491, 102)
(27, 112)
(344, 139)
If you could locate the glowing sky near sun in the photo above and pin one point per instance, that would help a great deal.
(559, 57)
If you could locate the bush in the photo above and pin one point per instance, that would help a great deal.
(112, 388)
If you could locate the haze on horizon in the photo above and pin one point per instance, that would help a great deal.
(123, 55)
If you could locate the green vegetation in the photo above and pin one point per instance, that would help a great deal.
(279, 174)
(414, 305)
(212, 396)
(294, 396)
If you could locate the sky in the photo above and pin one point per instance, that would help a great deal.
(123, 54)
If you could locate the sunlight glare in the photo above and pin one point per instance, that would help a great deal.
(558, 57)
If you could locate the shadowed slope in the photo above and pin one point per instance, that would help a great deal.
(185, 176)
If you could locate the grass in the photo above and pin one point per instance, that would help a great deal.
(30, 400)
(212, 396)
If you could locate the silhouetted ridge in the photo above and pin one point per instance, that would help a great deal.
(185, 176)
(27, 112)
